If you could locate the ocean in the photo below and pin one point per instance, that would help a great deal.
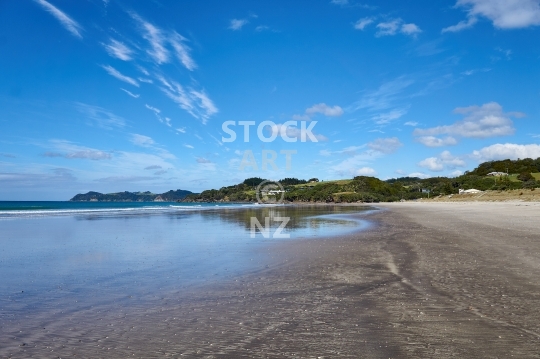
(64, 256)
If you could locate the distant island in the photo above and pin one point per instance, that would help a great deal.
(170, 196)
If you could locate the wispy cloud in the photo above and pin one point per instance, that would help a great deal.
(100, 117)
(115, 73)
(153, 109)
(363, 23)
(161, 42)
(385, 145)
(156, 38)
(330, 111)
(147, 81)
(130, 93)
(202, 160)
(153, 167)
(195, 102)
(237, 24)
(118, 50)
(141, 140)
(182, 51)
(69, 150)
(462, 25)
(148, 142)
(385, 96)
(68, 23)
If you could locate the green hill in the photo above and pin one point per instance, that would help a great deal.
(522, 174)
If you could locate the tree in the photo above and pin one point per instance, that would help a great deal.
(525, 176)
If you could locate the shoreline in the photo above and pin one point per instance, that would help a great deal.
(417, 283)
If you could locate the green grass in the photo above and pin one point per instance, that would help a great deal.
(339, 182)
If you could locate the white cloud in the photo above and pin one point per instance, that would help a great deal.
(432, 141)
(294, 132)
(181, 129)
(419, 175)
(101, 117)
(69, 150)
(432, 164)
(153, 109)
(142, 79)
(462, 25)
(388, 28)
(301, 118)
(365, 171)
(410, 29)
(68, 23)
(411, 123)
(506, 151)
(504, 14)
(237, 24)
(204, 103)
(363, 23)
(156, 38)
(325, 153)
(385, 145)
(182, 51)
(339, 2)
(202, 160)
(326, 110)
(118, 50)
(384, 97)
(395, 26)
(115, 73)
(153, 167)
(444, 160)
(387, 117)
(143, 70)
(189, 146)
(196, 103)
(456, 173)
(262, 28)
(141, 140)
(484, 121)
(130, 93)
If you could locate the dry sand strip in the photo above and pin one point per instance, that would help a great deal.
(435, 280)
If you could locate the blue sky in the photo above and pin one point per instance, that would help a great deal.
(119, 95)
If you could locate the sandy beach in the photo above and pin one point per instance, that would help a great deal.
(425, 280)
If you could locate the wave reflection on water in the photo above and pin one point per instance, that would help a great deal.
(88, 257)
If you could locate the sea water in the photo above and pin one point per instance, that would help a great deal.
(71, 255)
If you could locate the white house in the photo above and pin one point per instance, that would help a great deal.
(472, 190)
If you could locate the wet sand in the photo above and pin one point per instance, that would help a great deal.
(429, 280)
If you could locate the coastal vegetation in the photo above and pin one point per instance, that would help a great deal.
(522, 174)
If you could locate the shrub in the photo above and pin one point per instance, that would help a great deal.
(525, 176)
